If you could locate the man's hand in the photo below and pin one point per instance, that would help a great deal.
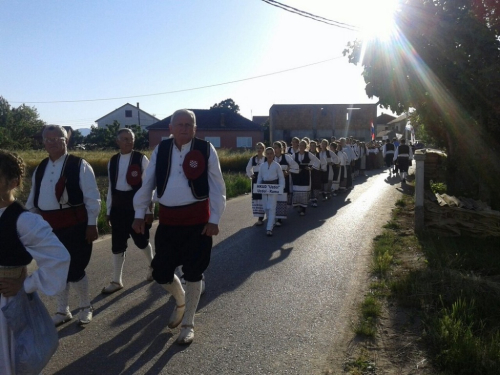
(91, 235)
(148, 219)
(10, 286)
(138, 226)
(210, 230)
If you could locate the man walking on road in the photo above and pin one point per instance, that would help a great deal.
(192, 194)
(125, 172)
(64, 191)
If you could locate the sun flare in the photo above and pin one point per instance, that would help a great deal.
(376, 19)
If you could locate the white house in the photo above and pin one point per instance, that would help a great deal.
(127, 115)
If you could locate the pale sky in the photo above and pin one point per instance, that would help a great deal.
(54, 51)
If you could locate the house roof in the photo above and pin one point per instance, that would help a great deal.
(214, 119)
(404, 116)
(126, 104)
(260, 119)
(384, 118)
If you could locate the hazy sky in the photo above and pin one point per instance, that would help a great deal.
(82, 50)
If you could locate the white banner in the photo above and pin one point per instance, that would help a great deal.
(267, 189)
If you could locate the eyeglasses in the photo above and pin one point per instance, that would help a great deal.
(53, 139)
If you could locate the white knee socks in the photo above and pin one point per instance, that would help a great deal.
(175, 289)
(118, 260)
(62, 300)
(82, 289)
(193, 292)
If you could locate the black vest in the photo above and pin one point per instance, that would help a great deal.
(389, 147)
(283, 160)
(71, 170)
(404, 149)
(199, 187)
(135, 159)
(305, 161)
(12, 251)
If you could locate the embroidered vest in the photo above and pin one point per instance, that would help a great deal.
(71, 171)
(12, 252)
(135, 161)
(199, 187)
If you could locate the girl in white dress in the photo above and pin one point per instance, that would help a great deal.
(270, 173)
(252, 170)
(23, 236)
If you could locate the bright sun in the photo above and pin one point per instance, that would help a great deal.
(376, 19)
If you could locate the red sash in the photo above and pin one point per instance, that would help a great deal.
(191, 214)
(66, 218)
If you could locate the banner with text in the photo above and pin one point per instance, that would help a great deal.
(267, 189)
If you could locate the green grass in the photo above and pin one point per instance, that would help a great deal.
(452, 284)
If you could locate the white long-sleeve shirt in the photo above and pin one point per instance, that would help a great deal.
(293, 167)
(313, 160)
(177, 191)
(251, 169)
(121, 181)
(271, 172)
(47, 200)
(52, 260)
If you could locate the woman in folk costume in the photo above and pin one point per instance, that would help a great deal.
(316, 183)
(270, 173)
(336, 168)
(24, 236)
(328, 158)
(294, 148)
(302, 180)
(288, 166)
(362, 157)
(252, 170)
(344, 161)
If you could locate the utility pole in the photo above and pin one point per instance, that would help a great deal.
(138, 115)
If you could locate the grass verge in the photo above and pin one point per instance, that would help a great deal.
(450, 286)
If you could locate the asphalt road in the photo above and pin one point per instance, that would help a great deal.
(273, 305)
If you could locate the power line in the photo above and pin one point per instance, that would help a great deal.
(314, 17)
(177, 91)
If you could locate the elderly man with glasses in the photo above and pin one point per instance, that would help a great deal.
(64, 191)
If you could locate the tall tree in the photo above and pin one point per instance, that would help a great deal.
(443, 60)
(18, 126)
(228, 104)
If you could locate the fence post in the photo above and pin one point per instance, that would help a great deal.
(419, 189)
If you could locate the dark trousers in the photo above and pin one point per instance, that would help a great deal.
(121, 229)
(73, 238)
(177, 245)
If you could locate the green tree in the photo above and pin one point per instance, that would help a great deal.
(103, 137)
(443, 60)
(19, 126)
(141, 137)
(228, 104)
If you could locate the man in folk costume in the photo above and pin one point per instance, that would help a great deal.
(288, 166)
(403, 155)
(64, 191)
(388, 151)
(186, 173)
(125, 172)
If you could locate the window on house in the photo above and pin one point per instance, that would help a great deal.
(128, 113)
(244, 142)
(213, 140)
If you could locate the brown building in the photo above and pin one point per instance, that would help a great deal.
(321, 121)
(223, 128)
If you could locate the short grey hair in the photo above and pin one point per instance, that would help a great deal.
(57, 128)
(183, 112)
(125, 130)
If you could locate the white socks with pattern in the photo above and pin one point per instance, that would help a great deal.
(175, 289)
(193, 292)
(82, 289)
(148, 253)
(62, 300)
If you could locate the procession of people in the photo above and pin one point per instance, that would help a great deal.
(185, 178)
